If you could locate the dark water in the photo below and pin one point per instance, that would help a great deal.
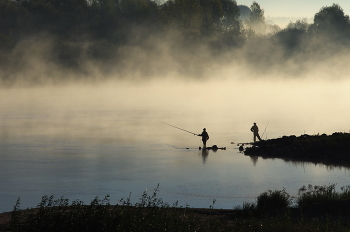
(83, 142)
(192, 177)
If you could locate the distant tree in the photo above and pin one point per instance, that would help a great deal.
(257, 19)
(272, 29)
(104, 19)
(289, 39)
(257, 14)
(231, 12)
(299, 24)
(12, 17)
(198, 18)
(244, 12)
(331, 21)
(231, 24)
(138, 11)
(59, 17)
(292, 39)
(211, 12)
(185, 15)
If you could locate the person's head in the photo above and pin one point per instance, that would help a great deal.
(254, 123)
(204, 129)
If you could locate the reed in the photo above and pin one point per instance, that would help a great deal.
(153, 214)
(312, 195)
(150, 214)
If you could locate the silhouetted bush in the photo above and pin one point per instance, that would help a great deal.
(277, 199)
(311, 195)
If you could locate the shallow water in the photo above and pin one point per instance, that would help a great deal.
(86, 141)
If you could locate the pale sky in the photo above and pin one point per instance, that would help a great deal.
(295, 8)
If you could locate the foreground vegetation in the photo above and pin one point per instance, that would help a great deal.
(318, 208)
(328, 149)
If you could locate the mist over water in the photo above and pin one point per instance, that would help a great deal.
(120, 111)
(80, 141)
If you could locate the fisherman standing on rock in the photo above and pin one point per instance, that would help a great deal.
(255, 130)
(205, 137)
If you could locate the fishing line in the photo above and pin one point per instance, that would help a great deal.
(200, 141)
(179, 128)
(265, 128)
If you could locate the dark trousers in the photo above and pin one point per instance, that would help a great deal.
(204, 142)
(256, 135)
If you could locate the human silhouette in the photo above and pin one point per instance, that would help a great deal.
(205, 137)
(255, 131)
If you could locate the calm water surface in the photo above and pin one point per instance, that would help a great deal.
(83, 142)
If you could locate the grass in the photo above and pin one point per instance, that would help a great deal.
(273, 211)
(150, 214)
(322, 195)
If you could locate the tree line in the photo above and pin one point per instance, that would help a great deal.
(98, 29)
(113, 20)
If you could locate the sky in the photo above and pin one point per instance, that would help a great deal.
(295, 8)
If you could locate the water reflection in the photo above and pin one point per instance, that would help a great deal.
(330, 167)
(205, 154)
(254, 159)
(205, 151)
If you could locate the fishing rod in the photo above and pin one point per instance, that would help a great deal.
(265, 128)
(179, 128)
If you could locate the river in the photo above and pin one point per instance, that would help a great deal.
(86, 140)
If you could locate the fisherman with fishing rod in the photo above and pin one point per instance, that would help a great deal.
(205, 137)
(255, 131)
(204, 134)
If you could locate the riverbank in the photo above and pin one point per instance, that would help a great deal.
(327, 149)
(318, 208)
(319, 217)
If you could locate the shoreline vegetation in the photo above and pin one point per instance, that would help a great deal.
(331, 149)
(317, 208)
